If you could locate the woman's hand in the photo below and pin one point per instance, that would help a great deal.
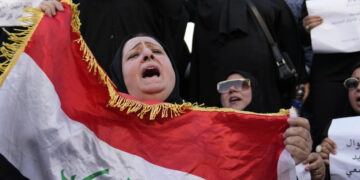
(50, 7)
(297, 139)
(310, 22)
(316, 166)
(327, 146)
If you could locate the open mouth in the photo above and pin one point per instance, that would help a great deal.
(234, 99)
(151, 72)
(358, 99)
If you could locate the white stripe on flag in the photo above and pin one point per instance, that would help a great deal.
(41, 140)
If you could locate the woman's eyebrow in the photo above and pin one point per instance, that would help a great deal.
(127, 53)
(135, 46)
(152, 44)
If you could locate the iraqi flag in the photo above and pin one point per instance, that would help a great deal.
(61, 117)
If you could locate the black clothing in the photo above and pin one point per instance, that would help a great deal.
(227, 37)
(105, 23)
(117, 75)
(328, 98)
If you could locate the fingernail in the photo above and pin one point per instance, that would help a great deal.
(61, 8)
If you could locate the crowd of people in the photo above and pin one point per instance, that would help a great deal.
(139, 43)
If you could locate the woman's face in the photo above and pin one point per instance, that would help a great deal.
(235, 98)
(147, 70)
(354, 94)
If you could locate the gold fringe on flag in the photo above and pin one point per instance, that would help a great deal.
(11, 53)
(132, 106)
(116, 100)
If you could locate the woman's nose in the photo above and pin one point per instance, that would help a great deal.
(232, 89)
(148, 55)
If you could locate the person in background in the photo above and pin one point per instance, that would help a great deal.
(240, 91)
(227, 36)
(298, 8)
(328, 98)
(143, 67)
(352, 85)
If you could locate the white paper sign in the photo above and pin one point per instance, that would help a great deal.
(12, 10)
(340, 30)
(345, 132)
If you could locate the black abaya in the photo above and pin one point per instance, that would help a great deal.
(328, 97)
(105, 23)
(228, 37)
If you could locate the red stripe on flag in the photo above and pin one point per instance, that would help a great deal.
(212, 145)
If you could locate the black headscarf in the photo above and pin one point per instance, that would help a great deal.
(116, 73)
(356, 65)
(256, 104)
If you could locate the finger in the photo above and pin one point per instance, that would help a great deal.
(307, 22)
(59, 6)
(316, 164)
(52, 8)
(326, 161)
(298, 121)
(310, 159)
(331, 142)
(326, 147)
(298, 142)
(298, 154)
(324, 155)
(47, 10)
(43, 7)
(314, 24)
(316, 176)
(297, 131)
(311, 18)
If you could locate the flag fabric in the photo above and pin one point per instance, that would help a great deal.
(62, 118)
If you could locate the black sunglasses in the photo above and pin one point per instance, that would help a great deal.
(351, 83)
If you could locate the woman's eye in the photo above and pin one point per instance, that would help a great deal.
(157, 51)
(133, 56)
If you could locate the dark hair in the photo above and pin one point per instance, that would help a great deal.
(256, 104)
(117, 75)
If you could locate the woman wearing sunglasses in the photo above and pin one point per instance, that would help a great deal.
(328, 146)
(241, 91)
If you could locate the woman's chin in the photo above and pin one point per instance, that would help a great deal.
(153, 94)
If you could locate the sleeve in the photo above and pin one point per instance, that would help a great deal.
(305, 36)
